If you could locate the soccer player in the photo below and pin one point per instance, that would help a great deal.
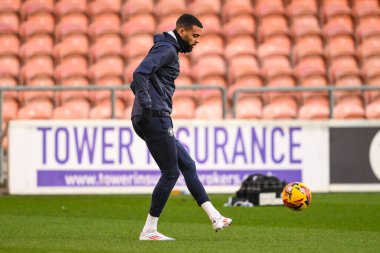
(153, 86)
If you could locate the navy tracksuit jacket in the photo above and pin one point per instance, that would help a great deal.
(153, 86)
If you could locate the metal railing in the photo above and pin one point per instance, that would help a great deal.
(112, 89)
(330, 89)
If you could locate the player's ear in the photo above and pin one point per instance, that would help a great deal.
(182, 31)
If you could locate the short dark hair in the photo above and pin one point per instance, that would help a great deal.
(187, 21)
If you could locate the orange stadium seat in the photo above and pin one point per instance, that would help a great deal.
(103, 110)
(343, 45)
(249, 108)
(368, 28)
(349, 107)
(138, 46)
(240, 25)
(31, 30)
(10, 108)
(64, 113)
(342, 65)
(283, 107)
(272, 55)
(106, 11)
(166, 23)
(210, 65)
(40, 13)
(35, 48)
(36, 109)
(72, 73)
(37, 73)
(272, 25)
(100, 31)
(302, 8)
(200, 7)
(183, 93)
(373, 110)
(210, 70)
(212, 24)
(111, 67)
(133, 7)
(169, 7)
(233, 8)
(68, 31)
(128, 112)
(366, 8)
(10, 64)
(49, 3)
(335, 8)
(316, 108)
(72, 12)
(144, 23)
(372, 72)
(131, 67)
(348, 78)
(369, 49)
(72, 48)
(106, 49)
(185, 66)
(212, 44)
(8, 79)
(305, 24)
(280, 77)
(211, 109)
(253, 81)
(265, 8)
(243, 66)
(307, 47)
(76, 108)
(240, 45)
(9, 40)
(183, 106)
(313, 75)
(108, 72)
(249, 105)
(9, 13)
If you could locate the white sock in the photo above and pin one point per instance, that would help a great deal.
(150, 224)
(210, 210)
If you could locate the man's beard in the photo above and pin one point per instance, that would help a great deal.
(184, 46)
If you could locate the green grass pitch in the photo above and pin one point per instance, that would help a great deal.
(112, 223)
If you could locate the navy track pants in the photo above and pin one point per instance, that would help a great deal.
(172, 158)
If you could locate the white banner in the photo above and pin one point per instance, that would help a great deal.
(74, 157)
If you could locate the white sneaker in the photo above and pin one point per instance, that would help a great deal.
(154, 236)
(220, 223)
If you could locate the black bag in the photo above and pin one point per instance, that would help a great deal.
(259, 190)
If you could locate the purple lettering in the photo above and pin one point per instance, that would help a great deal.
(106, 145)
(65, 135)
(84, 143)
(281, 132)
(239, 149)
(44, 132)
(293, 144)
(125, 146)
(197, 150)
(260, 146)
(187, 133)
(148, 156)
(220, 145)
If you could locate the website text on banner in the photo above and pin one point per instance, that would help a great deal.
(63, 157)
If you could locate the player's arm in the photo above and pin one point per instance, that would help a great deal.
(158, 56)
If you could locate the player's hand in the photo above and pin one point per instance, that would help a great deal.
(146, 116)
